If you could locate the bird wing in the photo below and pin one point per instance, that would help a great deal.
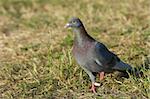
(109, 59)
(104, 56)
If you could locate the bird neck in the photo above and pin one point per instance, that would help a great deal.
(81, 36)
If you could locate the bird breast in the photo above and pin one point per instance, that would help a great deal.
(83, 53)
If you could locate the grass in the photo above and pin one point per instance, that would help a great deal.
(35, 50)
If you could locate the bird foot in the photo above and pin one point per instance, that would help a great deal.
(101, 75)
(93, 88)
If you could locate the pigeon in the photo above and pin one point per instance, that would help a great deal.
(93, 56)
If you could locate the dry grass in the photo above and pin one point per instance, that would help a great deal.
(35, 49)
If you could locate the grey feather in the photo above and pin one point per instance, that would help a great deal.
(121, 66)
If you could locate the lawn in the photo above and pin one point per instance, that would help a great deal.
(35, 50)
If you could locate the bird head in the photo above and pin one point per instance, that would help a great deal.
(74, 23)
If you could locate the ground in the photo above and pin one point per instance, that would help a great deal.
(35, 50)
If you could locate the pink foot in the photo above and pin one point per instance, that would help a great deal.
(93, 88)
(101, 75)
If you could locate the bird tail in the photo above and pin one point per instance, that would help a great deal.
(121, 66)
(127, 69)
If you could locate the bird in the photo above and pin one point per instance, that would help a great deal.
(93, 56)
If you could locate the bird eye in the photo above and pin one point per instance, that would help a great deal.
(74, 22)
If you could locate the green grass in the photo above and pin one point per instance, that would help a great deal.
(35, 50)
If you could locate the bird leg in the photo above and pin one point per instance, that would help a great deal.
(101, 75)
(97, 84)
(92, 77)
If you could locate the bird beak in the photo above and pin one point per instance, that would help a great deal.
(67, 25)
